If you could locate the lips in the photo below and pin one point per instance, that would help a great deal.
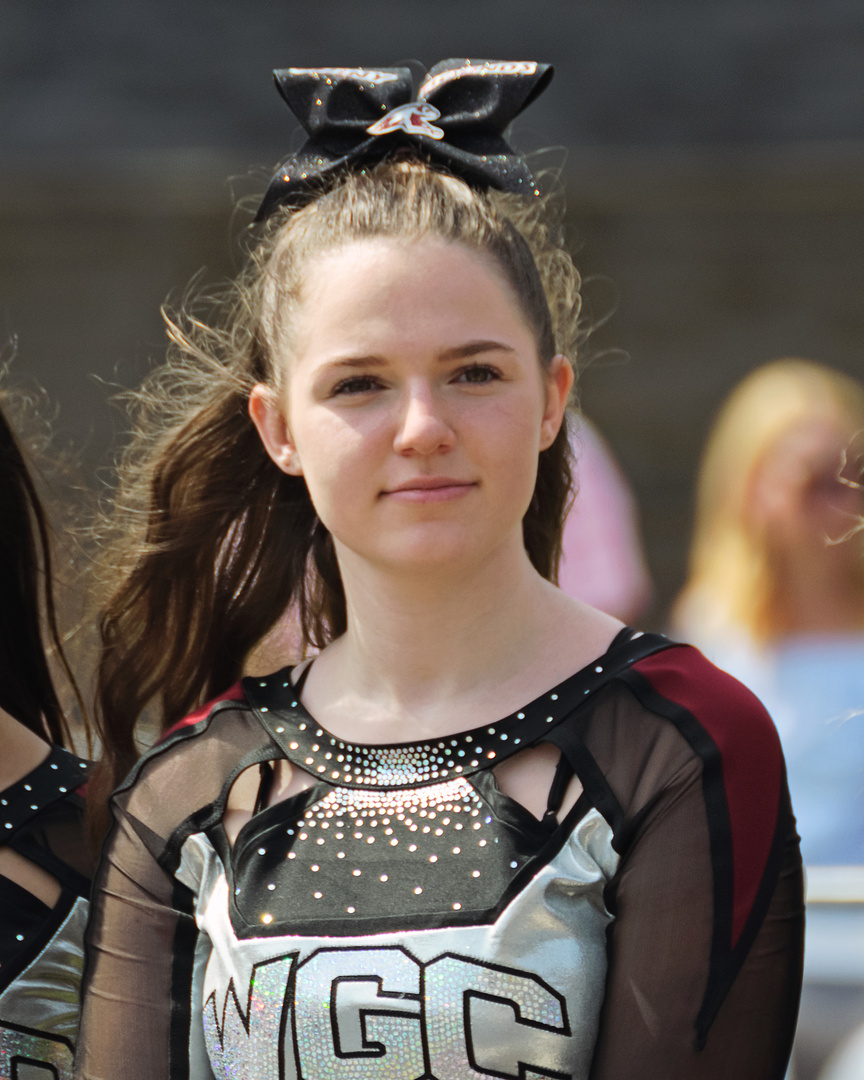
(429, 489)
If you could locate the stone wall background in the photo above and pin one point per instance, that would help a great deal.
(714, 177)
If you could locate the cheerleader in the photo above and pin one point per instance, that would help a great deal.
(45, 860)
(483, 830)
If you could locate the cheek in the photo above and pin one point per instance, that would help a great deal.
(520, 418)
(508, 440)
(337, 462)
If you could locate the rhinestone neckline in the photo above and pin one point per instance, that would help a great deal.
(396, 765)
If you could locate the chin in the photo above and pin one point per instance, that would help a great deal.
(436, 548)
(444, 553)
(433, 559)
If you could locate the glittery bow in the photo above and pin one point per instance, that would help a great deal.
(456, 119)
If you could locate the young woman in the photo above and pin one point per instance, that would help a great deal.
(776, 587)
(45, 862)
(487, 830)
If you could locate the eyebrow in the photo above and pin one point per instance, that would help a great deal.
(458, 352)
(474, 348)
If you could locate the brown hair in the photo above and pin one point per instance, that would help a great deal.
(215, 542)
(27, 690)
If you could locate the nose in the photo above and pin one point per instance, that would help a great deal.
(423, 428)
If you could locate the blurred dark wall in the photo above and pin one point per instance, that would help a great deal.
(714, 176)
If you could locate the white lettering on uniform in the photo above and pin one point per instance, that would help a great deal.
(378, 1014)
(358, 1015)
(467, 1035)
(250, 1034)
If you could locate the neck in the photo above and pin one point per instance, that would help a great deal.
(425, 648)
(417, 629)
(22, 750)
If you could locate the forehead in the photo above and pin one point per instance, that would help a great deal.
(424, 288)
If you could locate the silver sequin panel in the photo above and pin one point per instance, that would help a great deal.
(45, 994)
(517, 998)
(43, 1001)
(27, 1055)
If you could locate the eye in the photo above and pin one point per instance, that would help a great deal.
(356, 384)
(478, 374)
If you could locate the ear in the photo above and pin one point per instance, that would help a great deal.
(559, 383)
(268, 417)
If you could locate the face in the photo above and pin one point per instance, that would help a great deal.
(803, 490)
(414, 404)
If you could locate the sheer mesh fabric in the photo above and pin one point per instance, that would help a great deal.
(663, 899)
(135, 1017)
(635, 766)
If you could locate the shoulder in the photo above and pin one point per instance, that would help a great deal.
(186, 775)
(662, 717)
(198, 720)
(672, 725)
(689, 734)
(723, 722)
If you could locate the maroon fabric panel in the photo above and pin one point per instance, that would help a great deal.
(752, 761)
(233, 693)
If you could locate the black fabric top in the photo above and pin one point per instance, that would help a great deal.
(41, 947)
(358, 785)
(42, 818)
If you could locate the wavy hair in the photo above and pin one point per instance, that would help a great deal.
(29, 626)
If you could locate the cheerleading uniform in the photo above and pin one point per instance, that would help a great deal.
(41, 948)
(403, 918)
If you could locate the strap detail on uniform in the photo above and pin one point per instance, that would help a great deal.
(563, 776)
(276, 703)
(53, 780)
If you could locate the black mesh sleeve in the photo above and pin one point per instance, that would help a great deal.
(136, 1004)
(706, 947)
(131, 997)
(660, 950)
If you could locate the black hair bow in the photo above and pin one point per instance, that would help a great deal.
(356, 117)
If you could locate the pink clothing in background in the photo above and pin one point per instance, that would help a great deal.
(602, 561)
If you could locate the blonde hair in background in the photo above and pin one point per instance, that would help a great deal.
(731, 583)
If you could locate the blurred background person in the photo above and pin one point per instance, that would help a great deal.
(775, 592)
(45, 860)
(775, 595)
